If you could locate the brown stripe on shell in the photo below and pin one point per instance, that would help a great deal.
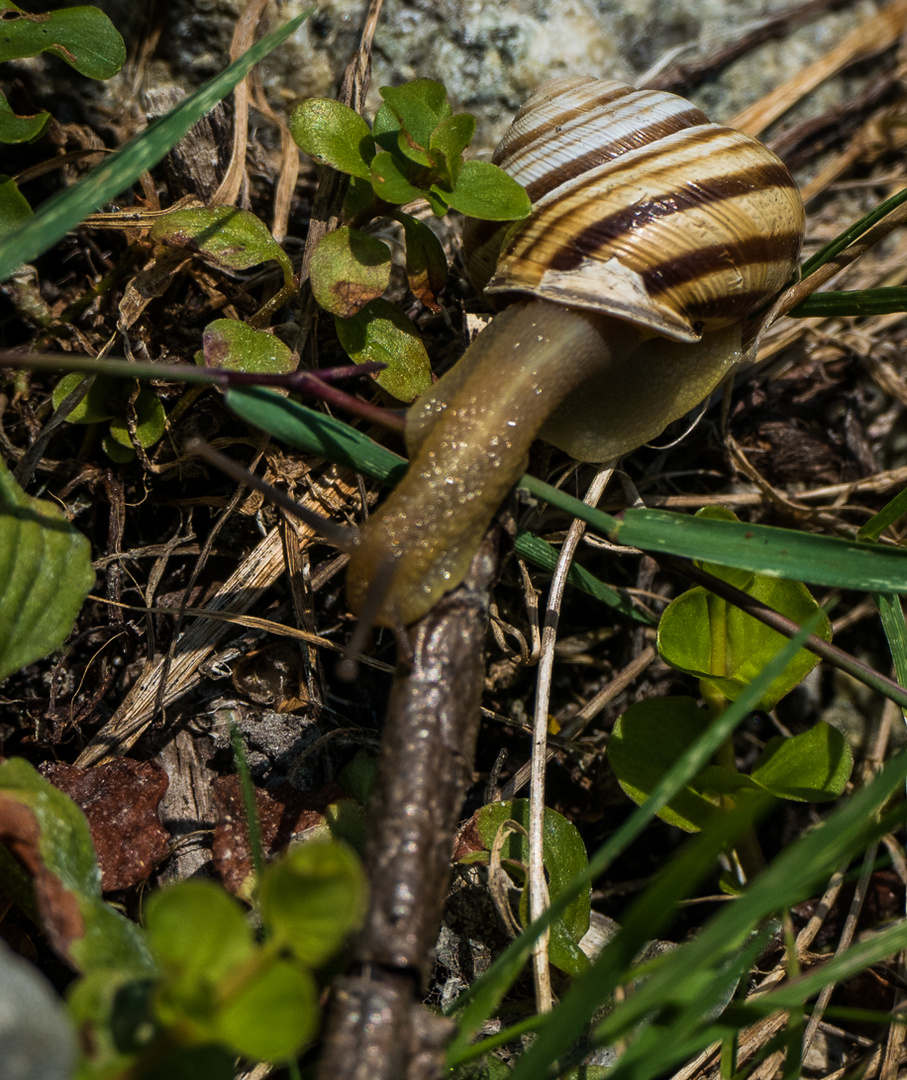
(516, 143)
(610, 150)
(599, 234)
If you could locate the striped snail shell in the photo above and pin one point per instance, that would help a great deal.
(653, 234)
(642, 209)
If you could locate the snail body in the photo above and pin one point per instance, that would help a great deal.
(653, 234)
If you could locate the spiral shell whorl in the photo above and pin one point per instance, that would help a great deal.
(642, 209)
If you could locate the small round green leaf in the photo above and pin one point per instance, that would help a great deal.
(102, 401)
(150, 420)
(272, 1014)
(713, 640)
(392, 180)
(482, 190)
(349, 268)
(313, 898)
(231, 344)
(647, 740)
(812, 767)
(197, 932)
(82, 36)
(333, 134)
(564, 856)
(380, 331)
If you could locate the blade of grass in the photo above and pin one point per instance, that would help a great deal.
(855, 302)
(66, 209)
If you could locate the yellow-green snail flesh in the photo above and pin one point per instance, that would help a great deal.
(653, 235)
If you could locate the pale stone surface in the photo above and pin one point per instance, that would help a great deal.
(491, 55)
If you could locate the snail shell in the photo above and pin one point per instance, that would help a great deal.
(642, 209)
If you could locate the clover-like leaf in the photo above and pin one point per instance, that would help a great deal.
(647, 740)
(17, 129)
(45, 575)
(349, 268)
(150, 420)
(312, 899)
(426, 265)
(333, 134)
(272, 1014)
(811, 767)
(236, 346)
(482, 190)
(234, 238)
(380, 331)
(705, 636)
(197, 933)
(82, 36)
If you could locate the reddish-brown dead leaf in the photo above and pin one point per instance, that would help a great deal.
(120, 800)
(283, 813)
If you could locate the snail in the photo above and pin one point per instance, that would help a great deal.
(654, 233)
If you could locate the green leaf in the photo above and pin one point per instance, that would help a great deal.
(272, 1014)
(382, 332)
(420, 106)
(448, 141)
(349, 268)
(646, 741)
(564, 856)
(18, 129)
(14, 208)
(82, 36)
(313, 899)
(333, 134)
(45, 575)
(482, 190)
(231, 344)
(102, 401)
(705, 636)
(812, 767)
(67, 208)
(234, 238)
(392, 179)
(426, 265)
(386, 129)
(197, 932)
(150, 420)
(88, 933)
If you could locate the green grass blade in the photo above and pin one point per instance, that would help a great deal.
(852, 302)
(66, 209)
(765, 549)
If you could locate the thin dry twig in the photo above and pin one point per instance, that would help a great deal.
(538, 890)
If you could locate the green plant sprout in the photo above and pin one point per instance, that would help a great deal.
(413, 151)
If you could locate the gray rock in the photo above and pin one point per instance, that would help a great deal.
(37, 1041)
